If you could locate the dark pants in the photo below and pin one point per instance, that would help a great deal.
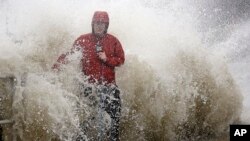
(111, 103)
(113, 108)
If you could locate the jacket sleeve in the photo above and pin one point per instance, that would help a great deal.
(61, 60)
(118, 58)
(63, 57)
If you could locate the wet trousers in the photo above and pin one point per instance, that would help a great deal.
(108, 101)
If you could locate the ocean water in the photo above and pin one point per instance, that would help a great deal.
(185, 76)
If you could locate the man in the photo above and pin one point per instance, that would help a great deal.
(101, 53)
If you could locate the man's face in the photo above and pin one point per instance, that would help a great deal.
(99, 28)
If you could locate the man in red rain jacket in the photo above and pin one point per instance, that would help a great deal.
(101, 53)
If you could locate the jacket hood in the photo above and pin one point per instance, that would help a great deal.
(100, 16)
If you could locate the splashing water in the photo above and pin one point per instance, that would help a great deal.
(179, 82)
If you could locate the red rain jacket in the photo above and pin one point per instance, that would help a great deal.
(99, 71)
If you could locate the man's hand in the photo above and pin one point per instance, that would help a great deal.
(102, 56)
